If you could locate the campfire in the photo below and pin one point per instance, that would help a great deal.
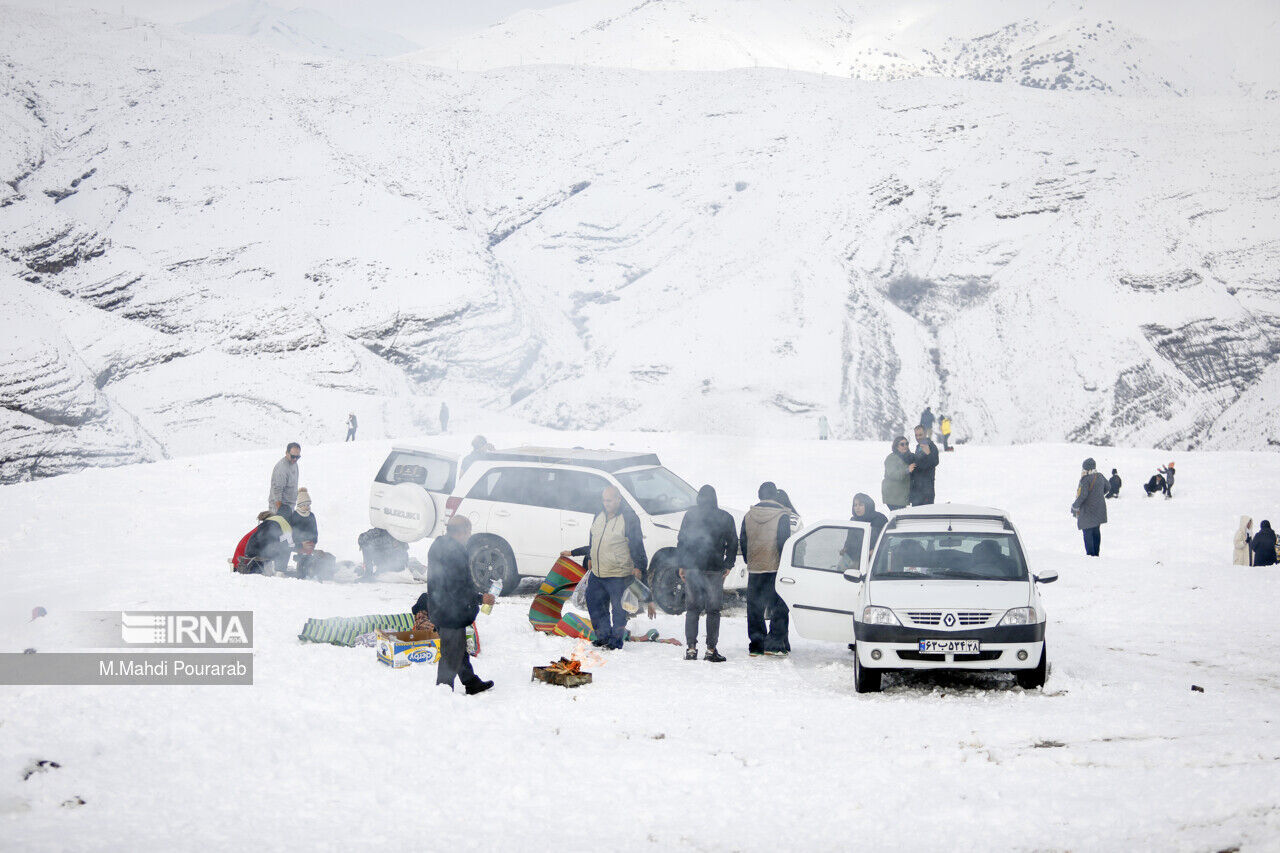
(568, 672)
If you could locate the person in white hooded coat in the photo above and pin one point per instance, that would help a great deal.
(1244, 535)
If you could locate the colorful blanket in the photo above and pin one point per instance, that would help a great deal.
(544, 613)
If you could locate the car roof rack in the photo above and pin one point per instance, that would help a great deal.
(601, 460)
(950, 518)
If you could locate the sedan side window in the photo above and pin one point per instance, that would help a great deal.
(579, 492)
(822, 548)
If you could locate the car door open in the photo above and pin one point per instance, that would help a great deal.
(811, 578)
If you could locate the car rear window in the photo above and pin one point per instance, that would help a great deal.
(433, 473)
(949, 556)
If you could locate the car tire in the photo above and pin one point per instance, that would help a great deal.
(1032, 679)
(865, 680)
(665, 583)
(492, 558)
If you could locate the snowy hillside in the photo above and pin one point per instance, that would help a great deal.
(329, 750)
(1124, 47)
(204, 246)
(300, 30)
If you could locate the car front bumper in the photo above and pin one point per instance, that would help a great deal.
(898, 647)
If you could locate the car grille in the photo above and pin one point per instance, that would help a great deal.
(964, 618)
(921, 656)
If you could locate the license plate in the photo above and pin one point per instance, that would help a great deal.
(951, 647)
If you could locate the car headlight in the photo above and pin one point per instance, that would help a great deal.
(879, 616)
(1019, 616)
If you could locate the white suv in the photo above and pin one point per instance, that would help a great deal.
(947, 588)
(528, 504)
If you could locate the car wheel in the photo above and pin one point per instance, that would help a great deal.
(492, 559)
(865, 680)
(665, 584)
(1030, 679)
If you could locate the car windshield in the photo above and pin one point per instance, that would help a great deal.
(949, 556)
(658, 491)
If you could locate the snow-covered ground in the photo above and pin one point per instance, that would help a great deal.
(330, 750)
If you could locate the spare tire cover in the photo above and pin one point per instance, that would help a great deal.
(408, 512)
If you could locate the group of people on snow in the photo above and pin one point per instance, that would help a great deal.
(286, 528)
(1255, 549)
(1160, 482)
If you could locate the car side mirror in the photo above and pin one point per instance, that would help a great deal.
(1048, 577)
(852, 575)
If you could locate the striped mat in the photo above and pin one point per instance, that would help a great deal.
(545, 611)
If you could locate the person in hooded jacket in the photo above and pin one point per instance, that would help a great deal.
(1263, 545)
(268, 549)
(895, 488)
(1243, 538)
(453, 603)
(765, 529)
(706, 550)
(1090, 507)
(864, 509)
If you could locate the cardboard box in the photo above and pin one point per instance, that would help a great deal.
(398, 649)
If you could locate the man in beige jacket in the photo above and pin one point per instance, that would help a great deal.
(765, 529)
(615, 555)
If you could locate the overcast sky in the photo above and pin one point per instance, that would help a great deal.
(423, 21)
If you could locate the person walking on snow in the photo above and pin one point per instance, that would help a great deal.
(824, 428)
(706, 550)
(1168, 480)
(452, 604)
(895, 488)
(926, 420)
(615, 554)
(1263, 545)
(1113, 485)
(444, 417)
(765, 529)
(1243, 538)
(1090, 507)
(924, 464)
(351, 428)
(284, 481)
(944, 427)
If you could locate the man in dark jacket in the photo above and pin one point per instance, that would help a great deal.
(1090, 507)
(1113, 485)
(452, 604)
(765, 529)
(924, 463)
(1264, 545)
(706, 550)
(268, 549)
(926, 420)
(615, 555)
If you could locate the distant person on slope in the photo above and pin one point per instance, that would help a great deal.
(895, 488)
(924, 464)
(1264, 545)
(824, 428)
(1090, 507)
(765, 529)
(944, 427)
(706, 550)
(351, 428)
(1113, 485)
(1168, 480)
(1243, 538)
(926, 420)
(444, 417)
(1155, 484)
(284, 480)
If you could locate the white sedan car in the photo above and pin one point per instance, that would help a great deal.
(946, 587)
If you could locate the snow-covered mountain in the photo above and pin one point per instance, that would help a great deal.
(203, 246)
(1129, 47)
(300, 30)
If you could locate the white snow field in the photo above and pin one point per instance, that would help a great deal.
(330, 750)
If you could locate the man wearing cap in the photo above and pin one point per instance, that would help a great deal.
(1090, 507)
(284, 481)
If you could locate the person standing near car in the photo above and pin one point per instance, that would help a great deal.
(453, 603)
(764, 531)
(1090, 507)
(615, 554)
(895, 488)
(924, 464)
(284, 481)
(706, 550)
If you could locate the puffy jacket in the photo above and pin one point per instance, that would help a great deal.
(707, 540)
(1090, 505)
(607, 553)
(895, 489)
(305, 528)
(1240, 550)
(453, 600)
(765, 529)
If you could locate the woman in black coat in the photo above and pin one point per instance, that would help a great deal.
(1264, 545)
